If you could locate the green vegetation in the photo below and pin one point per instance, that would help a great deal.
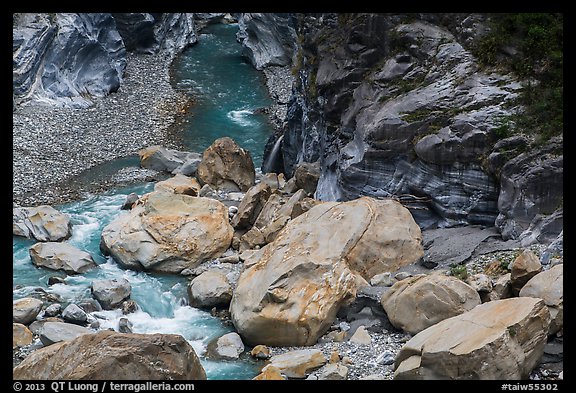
(531, 46)
(459, 271)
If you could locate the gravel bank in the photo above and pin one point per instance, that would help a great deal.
(53, 145)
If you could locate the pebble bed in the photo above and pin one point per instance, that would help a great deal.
(53, 144)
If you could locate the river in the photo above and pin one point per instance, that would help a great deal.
(227, 93)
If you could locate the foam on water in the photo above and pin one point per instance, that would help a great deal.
(161, 299)
(242, 117)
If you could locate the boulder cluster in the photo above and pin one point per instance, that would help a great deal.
(283, 268)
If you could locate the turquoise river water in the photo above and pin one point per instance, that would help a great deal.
(227, 93)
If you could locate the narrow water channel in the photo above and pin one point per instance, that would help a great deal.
(227, 95)
(227, 92)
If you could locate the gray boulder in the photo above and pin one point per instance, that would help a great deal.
(111, 293)
(210, 289)
(129, 201)
(163, 159)
(43, 223)
(55, 332)
(61, 256)
(74, 314)
(227, 347)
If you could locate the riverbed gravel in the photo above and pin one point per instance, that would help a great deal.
(53, 144)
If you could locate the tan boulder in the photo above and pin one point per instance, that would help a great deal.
(524, 267)
(25, 310)
(502, 339)
(21, 335)
(549, 286)
(226, 166)
(298, 363)
(271, 373)
(61, 256)
(418, 302)
(108, 355)
(501, 288)
(333, 371)
(290, 291)
(179, 184)
(168, 232)
(261, 352)
(361, 336)
(43, 223)
(251, 205)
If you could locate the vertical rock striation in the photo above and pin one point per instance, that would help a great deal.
(67, 59)
(397, 105)
(267, 39)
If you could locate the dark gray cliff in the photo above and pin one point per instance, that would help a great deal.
(394, 105)
(66, 59)
(164, 33)
(267, 39)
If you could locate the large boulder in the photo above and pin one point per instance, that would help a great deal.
(114, 356)
(291, 290)
(523, 268)
(61, 256)
(43, 223)
(227, 347)
(210, 289)
(226, 166)
(53, 332)
(21, 335)
(549, 286)
(502, 339)
(179, 184)
(251, 205)
(111, 293)
(168, 232)
(421, 301)
(162, 159)
(25, 310)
